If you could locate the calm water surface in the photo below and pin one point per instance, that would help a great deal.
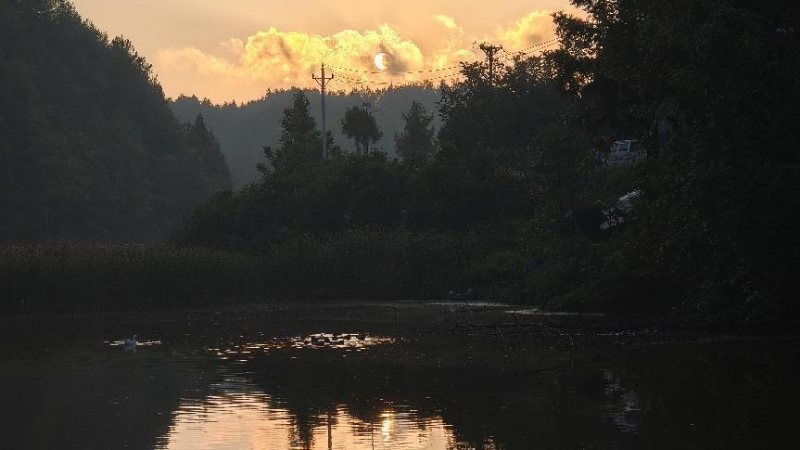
(352, 391)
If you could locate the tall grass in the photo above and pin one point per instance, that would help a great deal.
(356, 264)
(100, 277)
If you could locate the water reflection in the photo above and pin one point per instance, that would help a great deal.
(625, 403)
(614, 391)
(341, 341)
(239, 415)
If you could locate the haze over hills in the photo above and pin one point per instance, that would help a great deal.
(244, 129)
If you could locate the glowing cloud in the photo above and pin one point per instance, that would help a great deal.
(448, 22)
(534, 28)
(243, 69)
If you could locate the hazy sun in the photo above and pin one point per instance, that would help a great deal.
(382, 61)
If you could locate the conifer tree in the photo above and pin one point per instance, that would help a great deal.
(415, 143)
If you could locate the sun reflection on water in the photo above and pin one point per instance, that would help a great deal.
(341, 341)
(387, 426)
(239, 415)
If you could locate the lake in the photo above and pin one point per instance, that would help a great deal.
(390, 376)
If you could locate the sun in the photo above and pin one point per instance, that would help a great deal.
(383, 61)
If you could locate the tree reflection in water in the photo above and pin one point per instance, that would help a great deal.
(248, 418)
(653, 398)
(616, 393)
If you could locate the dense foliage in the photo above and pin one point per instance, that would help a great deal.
(713, 88)
(504, 194)
(708, 88)
(89, 149)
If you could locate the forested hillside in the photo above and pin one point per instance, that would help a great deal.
(495, 187)
(514, 200)
(89, 149)
(243, 129)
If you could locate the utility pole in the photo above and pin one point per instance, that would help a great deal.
(322, 82)
(490, 50)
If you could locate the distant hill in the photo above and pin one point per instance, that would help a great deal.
(89, 149)
(244, 129)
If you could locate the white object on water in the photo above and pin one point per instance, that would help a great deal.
(130, 342)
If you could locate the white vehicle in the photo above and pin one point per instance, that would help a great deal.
(624, 152)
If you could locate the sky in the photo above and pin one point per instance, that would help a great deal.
(237, 49)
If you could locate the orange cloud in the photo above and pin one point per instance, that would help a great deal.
(532, 29)
(448, 22)
(244, 69)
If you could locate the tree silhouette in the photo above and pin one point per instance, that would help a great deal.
(358, 124)
(203, 141)
(297, 121)
(415, 143)
(300, 139)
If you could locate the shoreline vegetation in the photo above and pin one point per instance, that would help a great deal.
(66, 278)
(355, 265)
(515, 189)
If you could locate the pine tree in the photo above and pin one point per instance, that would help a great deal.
(415, 144)
(300, 138)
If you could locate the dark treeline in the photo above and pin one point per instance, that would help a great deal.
(499, 190)
(709, 89)
(89, 149)
(243, 129)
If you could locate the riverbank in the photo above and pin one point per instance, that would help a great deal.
(363, 267)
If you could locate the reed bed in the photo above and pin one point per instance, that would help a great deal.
(102, 277)
(356, 264)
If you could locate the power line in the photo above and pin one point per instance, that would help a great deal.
(530, 49)
(540, 44)
(361, 80)
(442, 69)
(355, 81)
(490, 50)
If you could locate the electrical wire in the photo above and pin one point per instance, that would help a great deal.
(506, 56)
(361, 81)
(355, 81)
(348, 69)
(528, 50)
